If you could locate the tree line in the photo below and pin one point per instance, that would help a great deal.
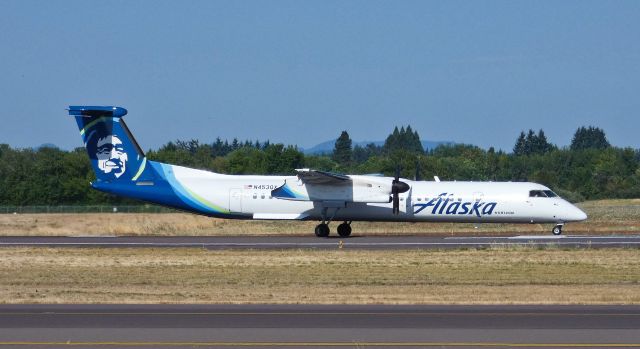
(590, 168)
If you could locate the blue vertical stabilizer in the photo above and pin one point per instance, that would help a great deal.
(114, 153)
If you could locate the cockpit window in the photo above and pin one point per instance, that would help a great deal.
(537, 194)
(542, 194)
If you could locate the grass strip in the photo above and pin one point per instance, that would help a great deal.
(519, 275)
(605, 217)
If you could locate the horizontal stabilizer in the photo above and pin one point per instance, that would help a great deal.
(90, 111)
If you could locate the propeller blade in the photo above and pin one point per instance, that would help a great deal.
(396, 204)
(417, 177)
(397, 187)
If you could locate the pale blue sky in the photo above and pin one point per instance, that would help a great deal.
(299, 72)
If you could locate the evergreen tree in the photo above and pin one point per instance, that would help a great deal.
(542, 144)
(407, 138)
(342, 151)
(417, 142)
(403, 139)
(412, 140)
(589, 138)
(529, 144)
(359, 154)
(519, 148)
(532, 143)
(392, 141)
(373, 149)
(217, 148)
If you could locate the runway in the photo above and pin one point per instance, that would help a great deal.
(159, 326)
(312, 242)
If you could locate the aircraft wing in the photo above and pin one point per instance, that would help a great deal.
(315, 185)
(316, 177)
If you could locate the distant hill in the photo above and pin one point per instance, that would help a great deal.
(327, 147)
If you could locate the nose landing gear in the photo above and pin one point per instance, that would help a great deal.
(557, 230)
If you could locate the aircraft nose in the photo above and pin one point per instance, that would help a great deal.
(575, 214)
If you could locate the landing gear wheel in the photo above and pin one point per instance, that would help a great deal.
(344, 229)
(322, 230)
(557, 230)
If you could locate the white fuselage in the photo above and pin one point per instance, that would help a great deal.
(249, 197)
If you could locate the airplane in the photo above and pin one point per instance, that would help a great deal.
(122, 168)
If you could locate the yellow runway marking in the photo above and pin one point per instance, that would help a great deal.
(330, 344)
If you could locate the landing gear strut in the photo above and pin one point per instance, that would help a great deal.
(344, 229)
(557, 230)
(322, 230)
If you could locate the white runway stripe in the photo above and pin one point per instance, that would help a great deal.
(346, 244)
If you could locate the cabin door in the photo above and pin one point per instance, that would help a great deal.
(235, 200)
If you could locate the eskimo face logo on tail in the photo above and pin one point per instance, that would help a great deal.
(112, 158)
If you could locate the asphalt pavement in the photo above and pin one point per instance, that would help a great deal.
(268, 326)
(312, 242)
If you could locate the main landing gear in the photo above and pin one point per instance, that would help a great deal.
(344, 229)
(557, 230)
(322, 230)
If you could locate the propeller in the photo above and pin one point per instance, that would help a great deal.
(397, 187)
(417, 176)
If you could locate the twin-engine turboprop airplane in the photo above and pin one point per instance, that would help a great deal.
(122, 169)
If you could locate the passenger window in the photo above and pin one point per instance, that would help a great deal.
(255, 196)
(262, 196)
(419, 199)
